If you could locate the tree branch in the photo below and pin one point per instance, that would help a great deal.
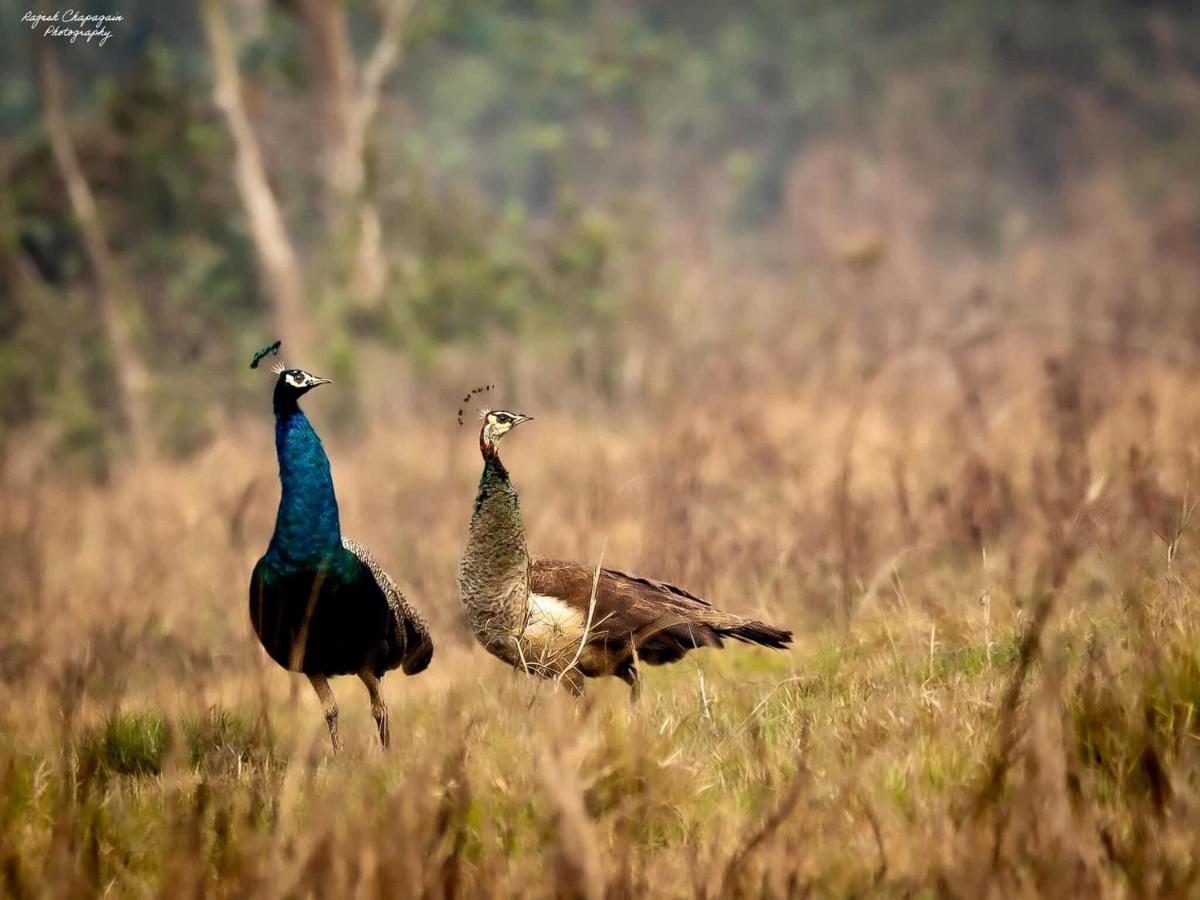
(275, 250)
(128, 371)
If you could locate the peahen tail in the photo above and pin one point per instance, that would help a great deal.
(755, 632)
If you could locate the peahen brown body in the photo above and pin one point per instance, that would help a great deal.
(564, 620)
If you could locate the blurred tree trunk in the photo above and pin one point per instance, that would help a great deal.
(331, 70)
(274, 247)
(347, 102)
(129, 372)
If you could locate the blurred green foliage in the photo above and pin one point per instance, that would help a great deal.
(516, 137)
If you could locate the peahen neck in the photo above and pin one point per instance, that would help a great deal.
(306, 528)
(494, 570)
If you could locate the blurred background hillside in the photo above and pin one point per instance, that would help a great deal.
(573, 197)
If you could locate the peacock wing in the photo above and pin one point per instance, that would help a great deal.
(418, 645)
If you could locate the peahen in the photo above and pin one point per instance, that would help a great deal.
(319, 603)
(538, 615)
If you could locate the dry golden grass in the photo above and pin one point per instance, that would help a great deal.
(979, 530)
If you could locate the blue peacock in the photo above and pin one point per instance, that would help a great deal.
(319, 603)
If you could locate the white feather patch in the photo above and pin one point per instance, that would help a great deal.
(549, 615)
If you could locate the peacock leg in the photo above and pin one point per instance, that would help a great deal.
(378, 707)
(321, 685)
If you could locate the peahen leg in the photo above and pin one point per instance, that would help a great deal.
(632, 677)
(628, 672)
(574, 681)
(378, 707)
(321, 685)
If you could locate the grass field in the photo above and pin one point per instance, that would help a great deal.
(986, 555)
(877, 322)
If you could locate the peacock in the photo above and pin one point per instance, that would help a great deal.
(565, 620)
(320, 603)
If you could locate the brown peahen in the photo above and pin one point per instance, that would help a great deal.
(539, 615)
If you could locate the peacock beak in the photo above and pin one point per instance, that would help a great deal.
(521, 417)
(318, 381)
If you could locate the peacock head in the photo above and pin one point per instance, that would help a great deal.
(295, 383)
(496, 424)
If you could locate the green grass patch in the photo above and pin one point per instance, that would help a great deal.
(126, 744)
(138, 744)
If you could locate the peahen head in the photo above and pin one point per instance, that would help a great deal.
(496, 424)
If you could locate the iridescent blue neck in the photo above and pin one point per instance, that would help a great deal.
(306, 527)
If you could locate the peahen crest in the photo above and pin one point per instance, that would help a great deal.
(472, 392)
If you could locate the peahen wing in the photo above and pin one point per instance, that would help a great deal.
(662, 621)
